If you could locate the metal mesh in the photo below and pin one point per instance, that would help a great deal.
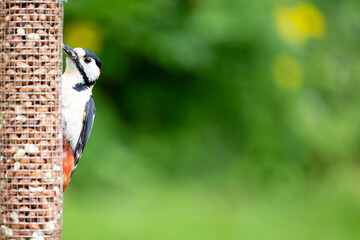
(30, 119)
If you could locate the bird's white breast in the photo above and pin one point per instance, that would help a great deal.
(73, 109)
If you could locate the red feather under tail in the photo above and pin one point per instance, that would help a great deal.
(68, 164)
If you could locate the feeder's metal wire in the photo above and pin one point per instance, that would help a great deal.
(30, 119)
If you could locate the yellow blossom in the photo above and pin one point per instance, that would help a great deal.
(287, 72)
(84, 34)
(299, 23)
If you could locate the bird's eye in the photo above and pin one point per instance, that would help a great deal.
(87, 60)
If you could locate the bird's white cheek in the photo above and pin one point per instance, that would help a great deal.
(92, 71)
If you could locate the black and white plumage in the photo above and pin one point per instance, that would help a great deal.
(83, 68)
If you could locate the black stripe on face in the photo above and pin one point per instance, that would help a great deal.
(83, 74)
(87, 83)
(75, 58)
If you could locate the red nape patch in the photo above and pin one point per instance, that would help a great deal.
(68, 164)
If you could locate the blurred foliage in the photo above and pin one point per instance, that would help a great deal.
(299, 23)
(216, 118)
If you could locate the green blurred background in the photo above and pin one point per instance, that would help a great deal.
(219, 119)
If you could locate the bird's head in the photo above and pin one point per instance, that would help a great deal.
(83, 61)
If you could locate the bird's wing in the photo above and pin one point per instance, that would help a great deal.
(88, 121)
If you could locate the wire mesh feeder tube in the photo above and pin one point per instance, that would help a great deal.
(30, 122)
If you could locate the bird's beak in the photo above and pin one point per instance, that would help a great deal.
(71, 53)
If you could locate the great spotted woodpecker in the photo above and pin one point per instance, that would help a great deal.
(83, 68)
